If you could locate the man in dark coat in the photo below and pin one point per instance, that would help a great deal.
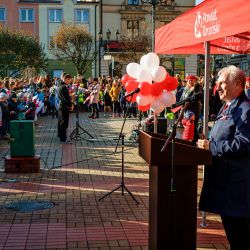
(63, 110)
(226, 188)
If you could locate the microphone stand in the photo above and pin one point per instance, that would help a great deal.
(172, 183)
(75, 134)
(121, 137)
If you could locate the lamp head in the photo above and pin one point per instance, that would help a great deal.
(108, 34)
(117, 33)
(100, 34)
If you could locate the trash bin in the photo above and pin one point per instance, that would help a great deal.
(22, 141)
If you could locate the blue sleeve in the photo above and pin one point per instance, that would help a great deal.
(240, 144)
(247, 92)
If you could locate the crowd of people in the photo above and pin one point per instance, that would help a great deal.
(226, 189)
(38, 96)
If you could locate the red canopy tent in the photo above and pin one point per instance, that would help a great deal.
(226, 23)
(223, 25)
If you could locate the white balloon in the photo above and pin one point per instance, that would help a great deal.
(142, 61)
(167, 98)
(143, 100)
(144, 76)
(156, 105)
(158, 109)
(150, 61)
(133, 69)
(159, 74)
(173, 99)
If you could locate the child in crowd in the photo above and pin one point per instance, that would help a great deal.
(107, 99)
(123, 101)
(4, 115)
(30, 108)
(188, 123)
(13, 107)
(114, 94)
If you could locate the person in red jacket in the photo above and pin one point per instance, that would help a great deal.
(188, 124)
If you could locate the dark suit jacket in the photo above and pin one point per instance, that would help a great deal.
(226, 188)
(63, 94)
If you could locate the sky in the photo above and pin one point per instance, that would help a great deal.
(198, 1)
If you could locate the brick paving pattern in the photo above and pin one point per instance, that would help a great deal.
(74, 177)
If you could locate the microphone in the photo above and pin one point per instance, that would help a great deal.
(137, 90)
(194, 98)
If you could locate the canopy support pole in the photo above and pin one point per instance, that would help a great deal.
(206, 89)
(153, 50)
(206, 109)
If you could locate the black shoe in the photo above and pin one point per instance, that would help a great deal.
(91, 116)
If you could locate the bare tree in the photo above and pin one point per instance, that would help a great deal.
(73, 42)
(133, 49)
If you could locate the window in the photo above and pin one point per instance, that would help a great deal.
(2, 14)
(82, 16)
(133, 2)
(26, 15)
(55, 16)
(133, 28)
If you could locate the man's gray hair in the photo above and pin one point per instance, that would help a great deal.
(234, 74)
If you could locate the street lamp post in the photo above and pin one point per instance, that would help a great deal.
(154, 3)
(117, 33)
(100, 47)
(108, 34)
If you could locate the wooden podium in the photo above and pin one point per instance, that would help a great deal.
(172, 214)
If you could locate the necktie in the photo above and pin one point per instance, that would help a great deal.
(225, 106)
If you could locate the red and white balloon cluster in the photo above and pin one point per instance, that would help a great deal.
(154, 82)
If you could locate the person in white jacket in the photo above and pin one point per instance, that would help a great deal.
(94, 98)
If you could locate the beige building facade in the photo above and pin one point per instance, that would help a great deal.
(108, 21)
(52, 14)
(132, 18)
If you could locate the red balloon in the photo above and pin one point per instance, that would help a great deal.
(170, 83)
(126, 78)
(156, 89)
(144, 108)
(131, 85)
(129, 97)
(145, 88)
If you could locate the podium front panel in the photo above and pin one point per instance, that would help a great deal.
(172, 213)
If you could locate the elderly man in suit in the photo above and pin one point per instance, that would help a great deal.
(247, 87)
(226, 188)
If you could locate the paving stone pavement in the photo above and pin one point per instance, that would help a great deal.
(74, 177)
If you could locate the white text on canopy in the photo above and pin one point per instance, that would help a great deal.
(206, 24)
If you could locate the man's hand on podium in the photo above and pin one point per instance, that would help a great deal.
(203, 143)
